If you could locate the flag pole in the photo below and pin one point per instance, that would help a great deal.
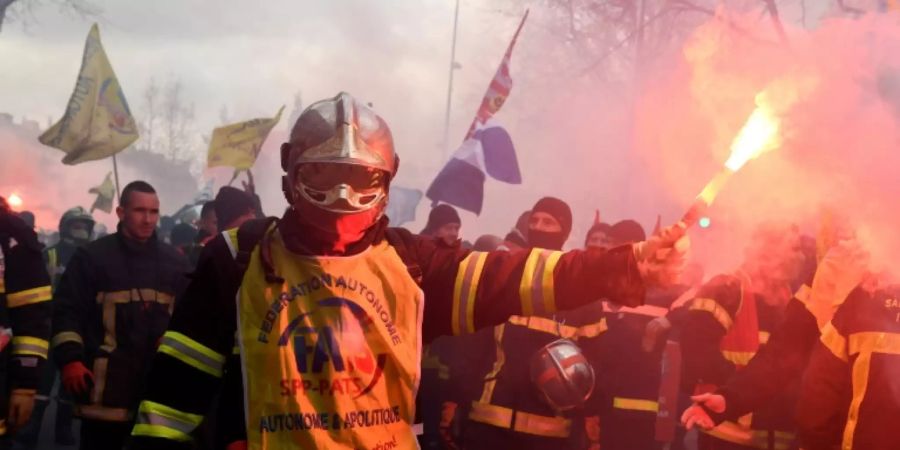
(116, 172)
(450, 81)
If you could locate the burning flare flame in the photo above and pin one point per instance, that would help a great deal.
(759, 135)
(15, 201)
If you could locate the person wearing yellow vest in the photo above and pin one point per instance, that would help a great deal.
(328, 308)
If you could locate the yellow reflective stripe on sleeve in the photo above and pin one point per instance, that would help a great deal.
(159, 431)
(711, 306)
(860, 381)
(550, 326)
(491, 377)
(547, 286)
(465, 289)
(26, 345)
(158, 420)
(66, 336)
(29, 297)
(875, 342)
(192, 353)
(536, 290)
(865, 344)
(833, 341)
(635, 404)
(764, 337)
(738, 358)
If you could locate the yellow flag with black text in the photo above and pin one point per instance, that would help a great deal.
(97, 122)
(237, 145)
(105, 194)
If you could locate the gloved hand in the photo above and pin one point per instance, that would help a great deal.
(697, 413)
(237, 445)
(77, 379)
(662, 257)
(21, 403)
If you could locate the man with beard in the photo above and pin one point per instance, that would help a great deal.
(330, 314)
(75, 229)
(727, 323)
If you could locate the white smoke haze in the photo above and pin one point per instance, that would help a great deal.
(585, 132)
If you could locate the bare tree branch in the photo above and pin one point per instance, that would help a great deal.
(776, 20)
(849, 9)
(26, 11)
(4, 5)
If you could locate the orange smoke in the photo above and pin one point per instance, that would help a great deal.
(830, 104)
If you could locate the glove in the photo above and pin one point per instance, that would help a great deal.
(77, 379)
(237, 445)
(21, 403)
(662, 257)
(698, 413)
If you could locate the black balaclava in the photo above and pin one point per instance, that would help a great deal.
(562, 213)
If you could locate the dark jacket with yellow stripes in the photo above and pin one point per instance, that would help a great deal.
(777, 367)
(506, 398)
(707, 366)
(203, 325)
(24, 307)
(632, 375)
(849, 395)
(112, 305)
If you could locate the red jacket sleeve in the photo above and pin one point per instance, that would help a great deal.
(466, 291)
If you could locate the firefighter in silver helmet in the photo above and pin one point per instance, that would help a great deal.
(322, 347)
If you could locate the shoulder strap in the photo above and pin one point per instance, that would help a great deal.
(243, 240)
(404, 244)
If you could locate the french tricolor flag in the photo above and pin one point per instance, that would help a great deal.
(487, 148)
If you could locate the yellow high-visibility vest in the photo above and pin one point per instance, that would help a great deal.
(332, 356)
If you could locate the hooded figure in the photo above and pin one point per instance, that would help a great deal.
(233, 207)
(443, 223)
(549, 224)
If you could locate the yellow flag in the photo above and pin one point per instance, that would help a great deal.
(97, 122)
(237, 145)
(105, 193)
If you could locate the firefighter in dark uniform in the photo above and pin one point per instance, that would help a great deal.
(509, 409)
(728, 321)
(112, 305)
(849, 395)
(778, 366)
(329, 293)
(25, 306)
(75, 229)
(632, 373)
